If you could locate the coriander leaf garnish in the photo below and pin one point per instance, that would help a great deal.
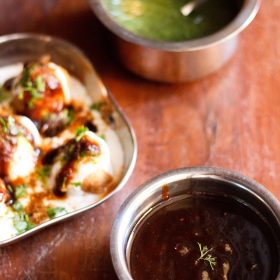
(40, 84)
(56, 211)
(25, 78)
(80, 132)
(18, 206)
(76, 184)
(34, 96)
(34, 88)
(96, 106)
(68, 115)
(22, 223)
(44, 172)
(20, 191)
(205, 256)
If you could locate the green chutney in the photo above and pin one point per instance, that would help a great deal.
(161, 20)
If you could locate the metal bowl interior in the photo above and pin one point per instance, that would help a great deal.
(184, 182)
(247, 13)
(17, 48)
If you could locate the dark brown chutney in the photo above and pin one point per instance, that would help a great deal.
(204, 237)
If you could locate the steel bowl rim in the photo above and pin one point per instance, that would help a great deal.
(240, 22)
(182, 173)
(123, 181)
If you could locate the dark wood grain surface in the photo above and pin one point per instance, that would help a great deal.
(230, 119)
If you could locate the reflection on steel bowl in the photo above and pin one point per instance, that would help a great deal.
(198, 223)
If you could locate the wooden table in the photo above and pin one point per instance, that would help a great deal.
(230, 119)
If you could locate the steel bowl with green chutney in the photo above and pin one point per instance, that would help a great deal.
(156, 41)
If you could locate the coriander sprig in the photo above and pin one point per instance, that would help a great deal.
(80, 132)
(76, 184)
(34, 87)
(56, 211)
(205, 256)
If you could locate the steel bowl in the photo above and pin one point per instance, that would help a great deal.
(177, 61)
(18, 48)
(182, 182)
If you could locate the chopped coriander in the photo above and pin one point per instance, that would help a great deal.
(22, 223)
(77, 184)
(40, 84)
(34, 96)
(96, 106)
(68, 115)
(18, 206)
(34, 88)
(204, 255)
(80, 132)
(25, 78)
(20, 191)
(44, 172)
(56, 211)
